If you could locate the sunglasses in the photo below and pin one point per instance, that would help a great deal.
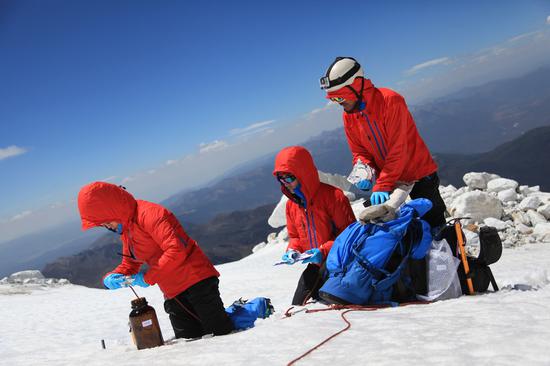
(338, 100)
(286, 178)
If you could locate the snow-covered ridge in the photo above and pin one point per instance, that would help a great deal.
(25, 281)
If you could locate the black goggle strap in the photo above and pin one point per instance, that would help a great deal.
(327, 83)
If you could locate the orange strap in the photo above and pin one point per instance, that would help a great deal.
(460, 242)
(347, 308)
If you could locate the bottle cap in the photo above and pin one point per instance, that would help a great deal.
(139, 303)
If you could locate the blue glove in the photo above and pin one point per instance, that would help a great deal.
(114, 281)
(364, 185)
(377, 198)
(290, 256)
(316, 258)
(138, 280)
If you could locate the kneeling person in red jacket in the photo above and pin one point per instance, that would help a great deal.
(151, 234)
(315, 214)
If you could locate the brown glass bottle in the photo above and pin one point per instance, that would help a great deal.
(144, 325)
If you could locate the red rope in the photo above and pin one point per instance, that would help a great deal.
(349, 308)
(332, 336)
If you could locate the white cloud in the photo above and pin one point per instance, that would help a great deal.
(11, 151)
(548, 19)
(256, 132)
(522, 36)
(57, 204)
(152, 171)
(427, 64)
(253, 128)
(38, 218)
(21, 215)
(109, 179)
(213, 146)
(170, 162)
(128, 180)
(330, 106)
(511, 58)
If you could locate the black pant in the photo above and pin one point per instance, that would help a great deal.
(428, 187)
(309, 284)
(198, 311)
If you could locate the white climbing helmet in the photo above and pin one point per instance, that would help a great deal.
(342, 72)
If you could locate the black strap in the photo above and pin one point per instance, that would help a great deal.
(493, 281)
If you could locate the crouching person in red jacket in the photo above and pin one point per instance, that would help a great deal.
(383, 138)
(315, 214)
(151, 234)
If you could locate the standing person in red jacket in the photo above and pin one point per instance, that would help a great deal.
(383, 138)
(151, 234)
(315, 214)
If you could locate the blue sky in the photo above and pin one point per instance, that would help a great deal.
(109, 90)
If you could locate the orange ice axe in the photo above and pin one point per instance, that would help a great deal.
(460, 242)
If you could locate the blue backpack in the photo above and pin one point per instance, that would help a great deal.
(243, 313)
(357, 264)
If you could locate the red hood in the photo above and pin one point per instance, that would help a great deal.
(101, 202)
(298, 161)
(347, 94)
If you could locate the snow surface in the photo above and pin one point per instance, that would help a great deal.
(64, 325)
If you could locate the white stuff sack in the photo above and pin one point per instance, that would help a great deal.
(443, 282)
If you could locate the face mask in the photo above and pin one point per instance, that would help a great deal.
(298, 192)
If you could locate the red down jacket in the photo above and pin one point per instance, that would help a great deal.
(151, 234)
(328, 210)
(384, 136)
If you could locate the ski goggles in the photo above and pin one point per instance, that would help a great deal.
(286, 179)
(338, 100)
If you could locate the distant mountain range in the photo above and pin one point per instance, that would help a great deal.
(479, 119)
(252, 185)
(525, 159)
(34, 250)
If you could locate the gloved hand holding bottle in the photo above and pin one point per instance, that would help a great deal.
(117, 280)
(290, 256)
(137, 280)
(114, 281)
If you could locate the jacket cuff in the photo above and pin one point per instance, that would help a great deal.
(325, 248)
(383, 187)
